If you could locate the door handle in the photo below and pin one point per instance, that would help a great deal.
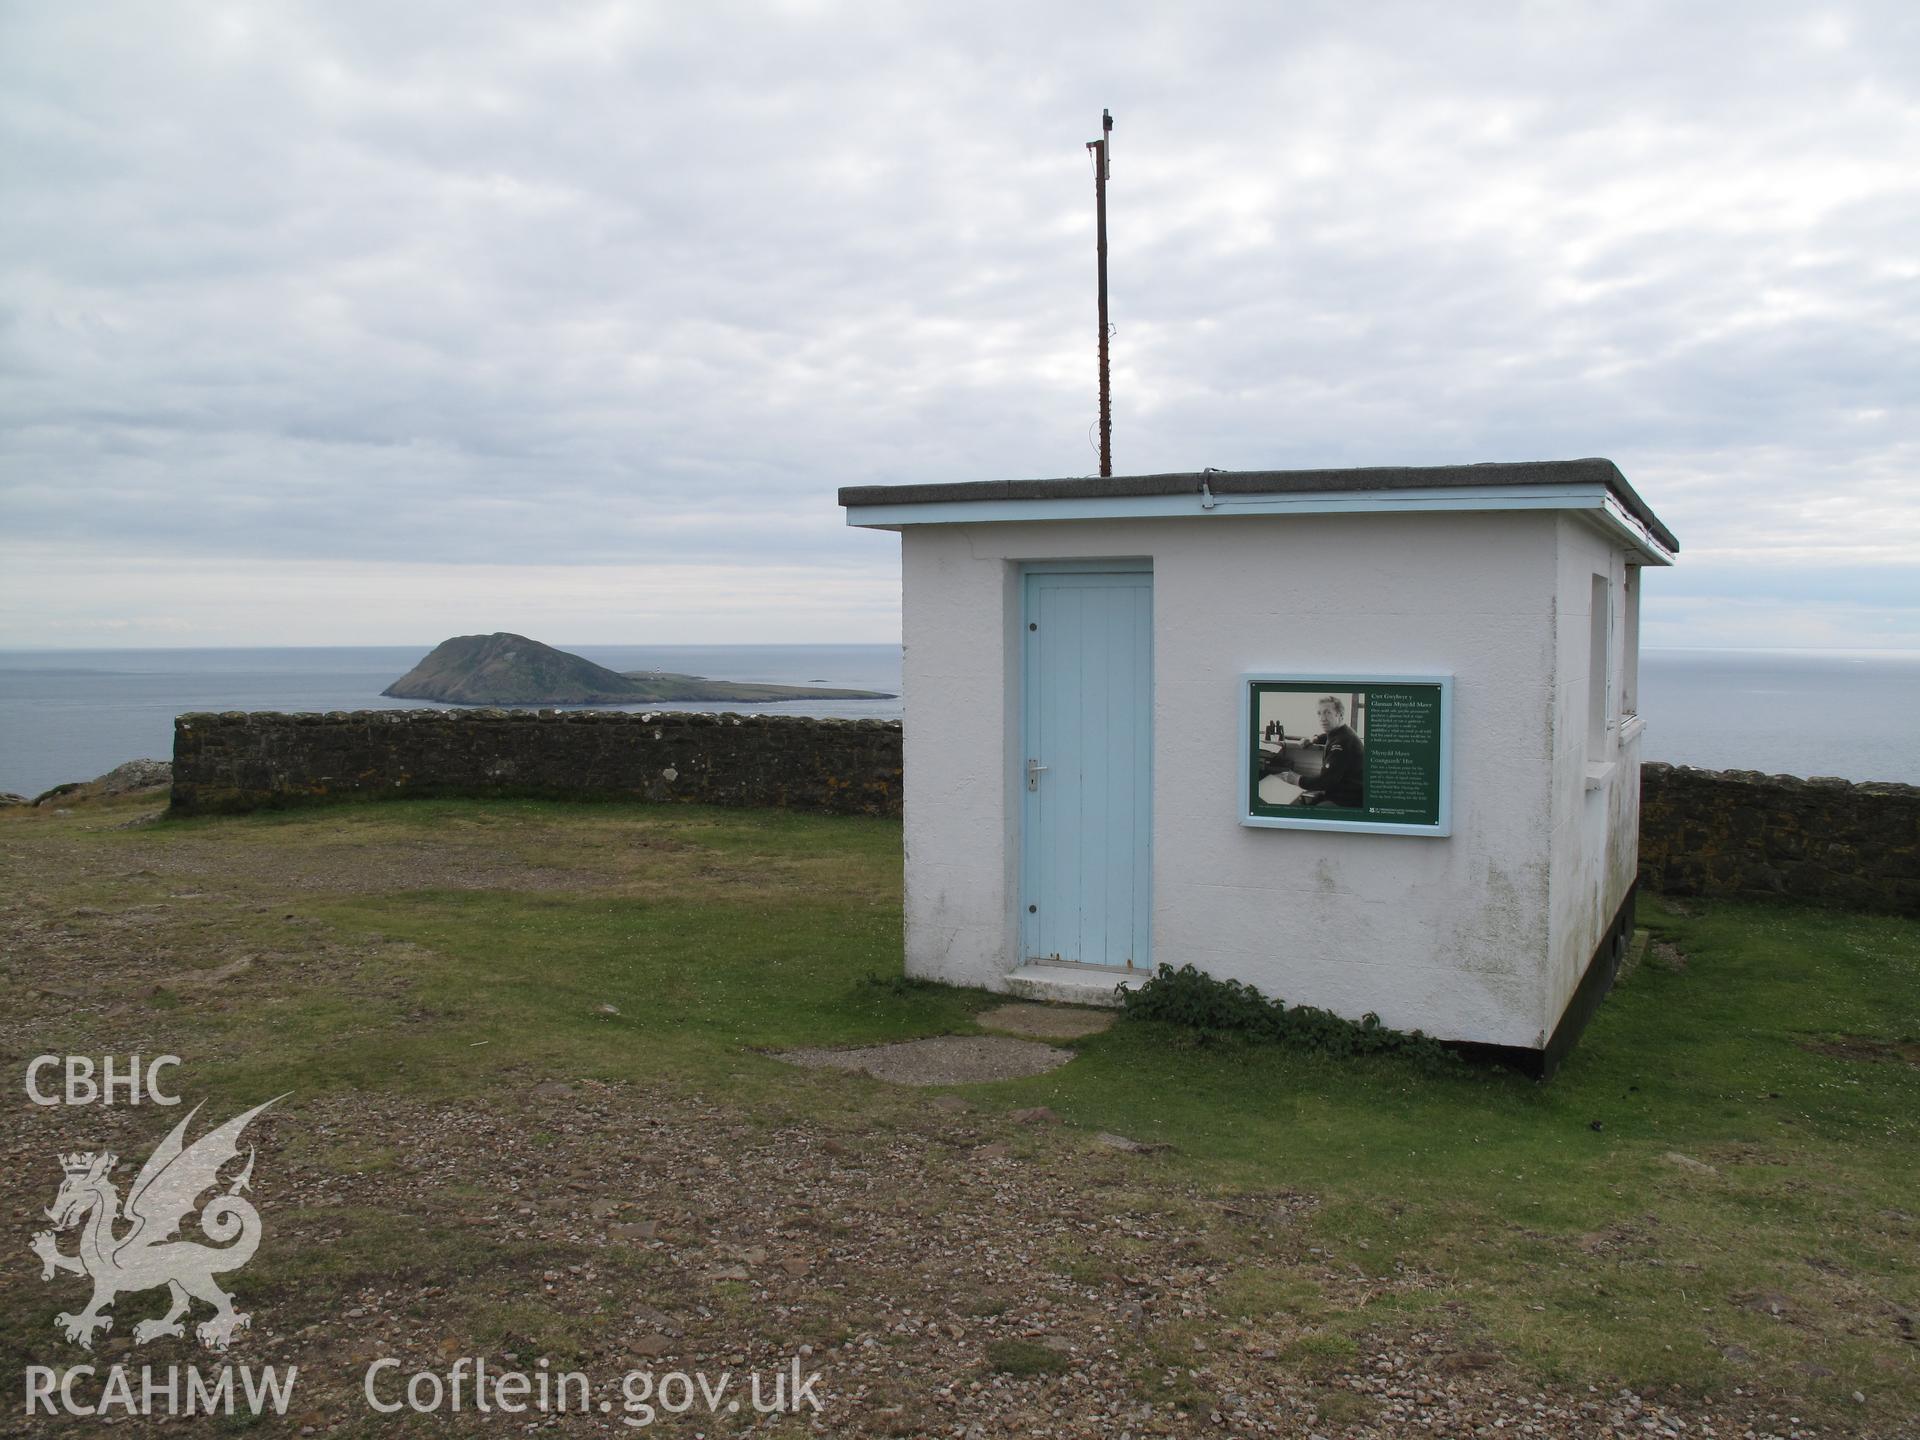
(1034, 767)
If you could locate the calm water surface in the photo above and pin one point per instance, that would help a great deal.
(73, 714)
(70, 715)
(1785, 712)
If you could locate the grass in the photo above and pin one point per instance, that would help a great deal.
(462, 943)
(1023, 1357)
(1588, 1252)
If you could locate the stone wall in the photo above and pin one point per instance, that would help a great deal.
(246, 761)
(1702, 832)
(1741, 833)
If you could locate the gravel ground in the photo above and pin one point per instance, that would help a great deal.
(947, 1270)
(1045, 1022)
(899, 1266)
(942, 1060)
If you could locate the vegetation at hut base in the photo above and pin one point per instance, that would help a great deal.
(1205, 1010)
(536, 1107)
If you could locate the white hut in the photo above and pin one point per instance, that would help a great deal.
(1366, 739)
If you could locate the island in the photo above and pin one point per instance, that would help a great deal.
(503, 669)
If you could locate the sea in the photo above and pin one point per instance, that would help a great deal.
(74, 714)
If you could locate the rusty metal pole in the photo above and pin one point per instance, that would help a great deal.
(1099, 148)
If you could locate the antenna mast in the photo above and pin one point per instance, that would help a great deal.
(1099, 149)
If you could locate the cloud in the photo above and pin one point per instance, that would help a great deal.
(340, 289)
(135, 596)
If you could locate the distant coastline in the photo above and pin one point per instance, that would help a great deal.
(66, 715)
(508, 669)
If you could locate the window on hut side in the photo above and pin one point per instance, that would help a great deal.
(1630, 643)
(1599, 668)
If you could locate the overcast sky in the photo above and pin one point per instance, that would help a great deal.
(357, 323)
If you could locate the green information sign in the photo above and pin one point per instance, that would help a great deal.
(1355, 752)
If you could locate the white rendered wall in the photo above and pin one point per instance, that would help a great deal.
(1448, 935)
(1596, 804)
(959, 684)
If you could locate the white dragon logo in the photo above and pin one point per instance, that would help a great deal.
(164, 1193)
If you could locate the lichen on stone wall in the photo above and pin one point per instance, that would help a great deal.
(1744, 834)
(246, 761)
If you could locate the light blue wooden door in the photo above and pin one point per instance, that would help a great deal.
(1087, 758)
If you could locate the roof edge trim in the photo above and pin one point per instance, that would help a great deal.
(959, 502)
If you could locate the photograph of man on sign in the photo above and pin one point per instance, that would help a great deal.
(1328, 770)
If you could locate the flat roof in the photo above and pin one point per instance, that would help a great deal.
(1584, 473)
